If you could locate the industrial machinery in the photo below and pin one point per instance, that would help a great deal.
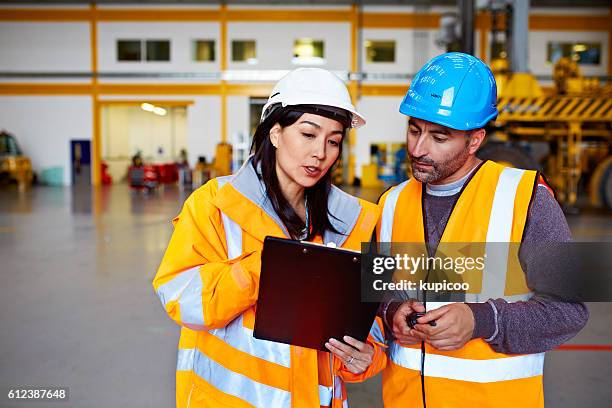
(14, 166)
(565, 131)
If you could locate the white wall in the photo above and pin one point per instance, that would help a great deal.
(538, 42)
(44, 126)
(46, 47)
(413, 48)
(180, 36)
(274, 43)
(384, 124)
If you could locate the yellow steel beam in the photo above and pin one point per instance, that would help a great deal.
(354, 92)
(158, 102)
(293, 15)
(223, 86)
(37, 88)
(96, 150)
(383, 90)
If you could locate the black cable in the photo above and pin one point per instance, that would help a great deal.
(423, 344)
(423, 374)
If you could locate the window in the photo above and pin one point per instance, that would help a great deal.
(158, 50)
(308, 51)
(129, 50)
(203, 50)
(582, 53)
(244, 51)
(380, 51)
(143, 50)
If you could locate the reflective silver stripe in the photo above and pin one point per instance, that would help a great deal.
(498, 234)
(386, 225)
(377, 333)
(233, 237)
(480, 371)
(241, 338)
(235, 334)
(187, 288)
(338, 387)
(185, 359)
(238, 385)
(325, 395)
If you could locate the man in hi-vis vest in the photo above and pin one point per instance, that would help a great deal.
(489, 352)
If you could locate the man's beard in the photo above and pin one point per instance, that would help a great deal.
(442, 169)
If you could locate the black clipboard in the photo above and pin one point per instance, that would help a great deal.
(309, 293)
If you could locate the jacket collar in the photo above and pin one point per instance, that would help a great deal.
(260, 219)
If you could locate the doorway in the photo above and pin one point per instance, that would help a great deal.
(80, 159)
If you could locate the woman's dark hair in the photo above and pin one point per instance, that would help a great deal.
(264, 162)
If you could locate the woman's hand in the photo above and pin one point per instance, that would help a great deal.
(355, 355)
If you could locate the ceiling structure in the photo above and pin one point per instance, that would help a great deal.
(534, 3)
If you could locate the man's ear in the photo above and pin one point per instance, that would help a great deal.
(476, 139)
(274, 134)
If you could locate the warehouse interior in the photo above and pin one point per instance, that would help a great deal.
(112, 112)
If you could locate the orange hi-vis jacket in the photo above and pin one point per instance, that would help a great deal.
(492, 209)
(208, 283)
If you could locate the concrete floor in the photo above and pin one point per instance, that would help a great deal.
(77, 308)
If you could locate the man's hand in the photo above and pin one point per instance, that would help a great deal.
(402, 332)
(454, 326)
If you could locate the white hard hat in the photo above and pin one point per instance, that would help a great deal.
(312, 86)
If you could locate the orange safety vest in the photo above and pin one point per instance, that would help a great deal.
(492, 208)
(208, 283)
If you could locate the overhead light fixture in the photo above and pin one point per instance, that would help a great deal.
(147, 107)
(580, 47)
(159, 111)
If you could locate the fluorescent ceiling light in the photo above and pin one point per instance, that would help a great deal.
(159, 111)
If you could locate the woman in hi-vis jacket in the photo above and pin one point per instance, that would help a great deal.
(208, 280)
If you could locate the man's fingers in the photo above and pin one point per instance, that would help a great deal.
(444, 333)
(417, 306)
(444, 344)
(433, 315)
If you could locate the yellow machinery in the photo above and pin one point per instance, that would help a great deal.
(575, 122)
(14, 166)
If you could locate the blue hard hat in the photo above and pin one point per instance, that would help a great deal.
(455, 90)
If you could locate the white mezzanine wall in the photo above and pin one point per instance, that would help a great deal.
(413, 48)
(180, 35)
(384, 124)
(44, 47)
(275, 41)
(538, 45)
(44, 126)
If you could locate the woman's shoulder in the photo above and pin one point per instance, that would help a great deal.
(342, 195)
(209, 190)
(202, 199)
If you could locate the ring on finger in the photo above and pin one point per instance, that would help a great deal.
(350, 360)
